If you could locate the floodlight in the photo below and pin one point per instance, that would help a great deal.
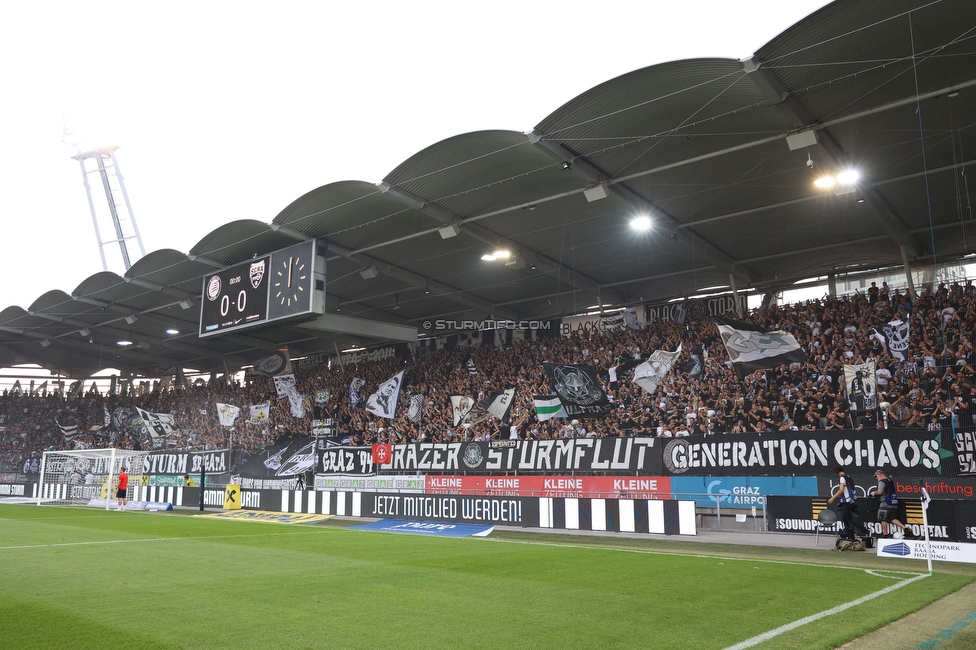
(848, 176)
(641, 223)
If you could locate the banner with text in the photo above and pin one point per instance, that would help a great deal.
(946, 518)
(739, 492)
(626, 487)
(621, 455)
(345, 460)
(510, 511)
(900, 451)
(388, 483)
(185, 462)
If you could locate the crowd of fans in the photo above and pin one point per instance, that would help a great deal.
(933, 387)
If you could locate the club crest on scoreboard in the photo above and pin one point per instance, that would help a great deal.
(257, 273)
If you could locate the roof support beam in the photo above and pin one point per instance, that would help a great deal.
(796, 112)
(422, 282)
(494, 240)
(628, 196)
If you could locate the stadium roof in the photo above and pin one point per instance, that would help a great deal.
(714, 151)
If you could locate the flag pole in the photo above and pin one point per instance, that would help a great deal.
(925, 525)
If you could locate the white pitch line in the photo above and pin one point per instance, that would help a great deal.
(698, 555)
(766, 636)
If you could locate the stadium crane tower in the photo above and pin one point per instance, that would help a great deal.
(119, 219)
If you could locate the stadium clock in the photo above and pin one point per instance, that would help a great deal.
(291, 281)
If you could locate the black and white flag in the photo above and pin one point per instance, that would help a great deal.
(681, 312)
(898, 335)
(579, 390)
(461, 406)
(69, 432)
(286, 387)
(862, 386)
(383, 402)
(751, 348)
(106, 425)
(160, 425)
(612, 322)
(695, 365)
(651, 373)
(472, 370)
(355, 386)
(623, 371)
(499, 404)
(630, 319)
(416, 410)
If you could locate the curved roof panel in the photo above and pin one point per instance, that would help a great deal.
(702, 146)
(240, 240)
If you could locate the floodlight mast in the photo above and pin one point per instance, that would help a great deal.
(104, 164)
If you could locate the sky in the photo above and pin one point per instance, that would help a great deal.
(232, 110)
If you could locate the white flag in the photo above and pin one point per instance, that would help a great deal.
(259, 413)
(650, 373)
(227, 413)
(383, 402)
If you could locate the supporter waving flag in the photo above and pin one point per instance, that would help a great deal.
(70, 431)
(895, 337)
(548, 406)
(499, 404)
(416, 410)
(751, 348)
(695, 365)
(259, 413)
(461, 405)
(579, 390)
(861, 381)
(623, 371)
(227, 414)
(354, 387)
(650, 373)
(384, 401)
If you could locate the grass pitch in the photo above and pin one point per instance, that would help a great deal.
(84, 578)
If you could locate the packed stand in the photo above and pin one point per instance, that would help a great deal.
(933, 388)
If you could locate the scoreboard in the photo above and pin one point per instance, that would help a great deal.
(286, 283)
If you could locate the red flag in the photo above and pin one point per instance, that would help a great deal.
(382, 454)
